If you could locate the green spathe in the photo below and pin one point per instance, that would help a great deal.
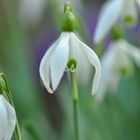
(69, 21)
(67, 6)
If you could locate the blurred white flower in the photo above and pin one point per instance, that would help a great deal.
(112, 11)
(31, 11)
(7, 119)
(54, 62)
(116, 62)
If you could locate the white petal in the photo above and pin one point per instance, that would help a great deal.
(59, 60)
(83, 65)
(94, 61)
(45, 67)
(133, 51)
(7, 119)
(3, 119)
(130, 11)
(107, 63)
(138, 2)
(110, 13)
(123, 61)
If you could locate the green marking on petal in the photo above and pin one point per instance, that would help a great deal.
(128, 20)
(124, 71)
(71, 65)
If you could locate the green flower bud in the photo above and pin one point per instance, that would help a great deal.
(125, 71)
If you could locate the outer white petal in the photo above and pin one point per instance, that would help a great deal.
(135, 53)
(131, 50)
(110, 13)
(107, 64)
(44, 68)
(123, 60)
(83, 65)
(130, 10)
(3, 119)
(94, 61)
(138, 2)
(59, 59)
(7, 119)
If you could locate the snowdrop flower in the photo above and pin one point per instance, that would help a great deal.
(112, 11)
(116, 62)
(54, 62)
(7, 119)
(68, 46)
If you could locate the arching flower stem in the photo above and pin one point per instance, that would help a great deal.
(71, 67)
(74, 91)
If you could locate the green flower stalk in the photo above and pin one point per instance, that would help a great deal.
(71, 67)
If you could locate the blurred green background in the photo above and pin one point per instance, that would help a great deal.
(27, 29)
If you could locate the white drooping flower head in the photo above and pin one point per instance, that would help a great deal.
(112, 11)
(68, 46)
(7, 119)
(54, 62)
(116, 62)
